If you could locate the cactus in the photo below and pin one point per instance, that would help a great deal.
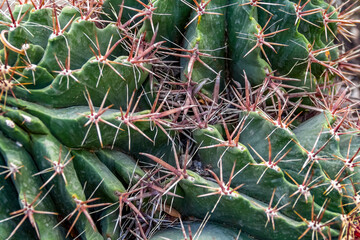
(122, 119)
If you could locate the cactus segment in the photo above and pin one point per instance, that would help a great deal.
(47, 147)
(175, 14)
(27, 187)
(193, 229)
(121, 165)
(242, 25)
(238, 215)
(8, 193)
(206, 52)
(88, 164)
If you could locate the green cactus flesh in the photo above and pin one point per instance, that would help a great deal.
(186, 119)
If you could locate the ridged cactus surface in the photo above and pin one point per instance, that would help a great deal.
(179, 119)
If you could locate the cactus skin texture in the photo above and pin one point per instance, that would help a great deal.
(186, 119)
